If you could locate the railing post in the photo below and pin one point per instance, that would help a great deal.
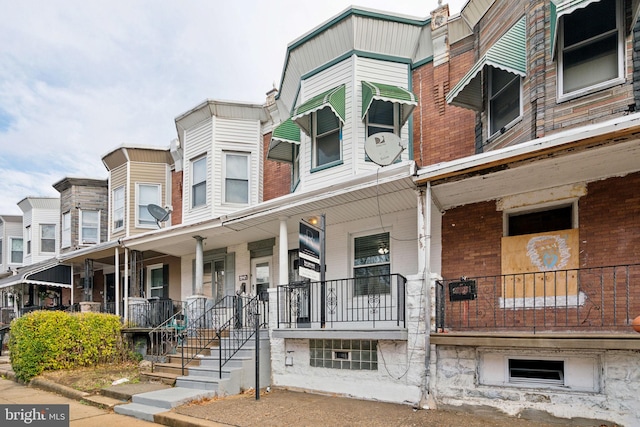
(257, 322)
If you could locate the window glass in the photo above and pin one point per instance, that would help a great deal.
(66, 229)
(147, 194)
(156, 282)
(372, 264)
(504, 99)
(118, 208)
(237, 178)
(16, 251)
(90, 227)
(28, 229)
(48, 238)
(326, 137)
(199, 182)
(590, 46)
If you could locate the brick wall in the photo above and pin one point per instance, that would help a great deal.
(441, 132)
(610, 222)
(471, 240)
(276, 179)
(176, 197)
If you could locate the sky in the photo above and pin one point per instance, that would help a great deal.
(80, 78)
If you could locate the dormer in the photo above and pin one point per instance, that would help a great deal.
(347, 80)
(41, 224)
(220, 147)
(139, 176)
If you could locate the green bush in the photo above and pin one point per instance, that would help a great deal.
(53, 340)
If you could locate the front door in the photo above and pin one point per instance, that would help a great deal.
(261, 276)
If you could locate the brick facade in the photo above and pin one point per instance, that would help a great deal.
(276, 179)
(176, 197)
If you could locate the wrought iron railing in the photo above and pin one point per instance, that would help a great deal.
(368, 302)
(585, 299)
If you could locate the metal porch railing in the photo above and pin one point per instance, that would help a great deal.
(371, 302)
(585, 299)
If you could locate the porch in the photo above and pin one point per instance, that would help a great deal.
(599, 300)
(351, 308)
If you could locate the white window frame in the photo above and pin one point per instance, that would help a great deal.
(150, 287)
(562, 96)
(42, 238)
(11, 261)
(247, 157)
(118, 208)
(149, 223)
(295, 167)
(29, 238)
(66, 230)
(82, 226)
(315, 136)
(493, 96)
(194, 183)
(372, 264)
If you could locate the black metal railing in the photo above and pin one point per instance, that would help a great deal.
(370, 302)
(586, 299)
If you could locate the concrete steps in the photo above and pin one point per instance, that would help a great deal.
(202, 378)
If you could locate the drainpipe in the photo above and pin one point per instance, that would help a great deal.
(283, 253)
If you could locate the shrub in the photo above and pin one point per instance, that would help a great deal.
(53, 340)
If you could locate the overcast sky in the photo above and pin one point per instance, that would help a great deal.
(80, 78)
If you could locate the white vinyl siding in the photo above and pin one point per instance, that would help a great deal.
(198, 142)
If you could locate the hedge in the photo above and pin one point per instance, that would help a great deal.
(53, 340)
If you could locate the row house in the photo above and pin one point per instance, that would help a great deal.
(437, 211)
(537, 232)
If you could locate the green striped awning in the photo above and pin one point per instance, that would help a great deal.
(560, 8)
(509, 53)
(334, 99)
(382, 92)
(283, 139)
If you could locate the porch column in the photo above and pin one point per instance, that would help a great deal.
(283, 253)
(117, 280)
(126, 285)
(199, 265)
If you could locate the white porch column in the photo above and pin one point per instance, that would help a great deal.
(126, 285)
(283, 253)
(117, 280)
(199, 265)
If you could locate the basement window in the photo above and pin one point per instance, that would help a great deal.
(540, 372)
(540, 221)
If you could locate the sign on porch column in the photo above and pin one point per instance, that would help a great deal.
(309, 252)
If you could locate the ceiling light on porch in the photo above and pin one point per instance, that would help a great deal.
(383, 249)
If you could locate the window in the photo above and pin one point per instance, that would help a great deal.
(28, 230)
(236, 181)
(90, 229)
(381, 117)
(295, 167)
(1, 252)
(326, 138)
(355, 355)
(372, 265)
(199, 182)
(66, 229)
(555, 219)
(47, 238)
(118, 208)
(16, 251)
(504, 99)
(548, 372)
(147, 194)
(590, 48)
(155, 273)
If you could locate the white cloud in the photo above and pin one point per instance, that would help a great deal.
(79, 78)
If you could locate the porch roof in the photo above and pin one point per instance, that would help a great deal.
(584, 154)
(390, 189)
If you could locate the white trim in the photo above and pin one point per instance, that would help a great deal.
(65, 233)
(113, 209)
(197, 159)
(247, 156)
(137, 205)
(81, 240)
(148, 286)
(599, 86)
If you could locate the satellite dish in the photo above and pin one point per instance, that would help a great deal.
(158, 212)
(383, 148)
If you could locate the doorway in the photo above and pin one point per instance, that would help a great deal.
(261, 276)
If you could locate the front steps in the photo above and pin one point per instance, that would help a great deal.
(202, 379)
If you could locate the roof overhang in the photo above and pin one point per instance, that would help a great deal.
(584, 154)
(390, 189)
